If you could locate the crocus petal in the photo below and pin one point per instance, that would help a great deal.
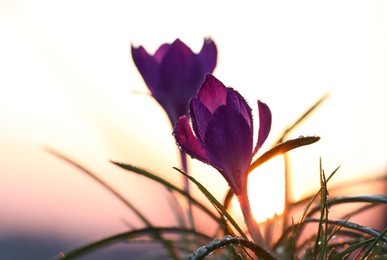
(147, 66)
(180, 70)
(208, 56)
(199, 117)
(212, 93)
(228, 142)
(174, 73)
(264, 124)
(187, 141)
(181, 77)
(238, 103)
(159, 54)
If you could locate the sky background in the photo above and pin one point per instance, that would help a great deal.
(67, 81)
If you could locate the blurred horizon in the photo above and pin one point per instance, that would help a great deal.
(68, 82)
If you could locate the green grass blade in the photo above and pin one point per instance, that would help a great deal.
(343, 185)
(353, 226)
(283, 148)
(336, 229)
(275, 151)
(352, 247)
(299, 120)
(126, 237)
(321, 242)
(168, 185)
(296, 229)
(204, 251)
(311, 199)
(116, 194)
(218, 206)
(374, 244)
(374, 198)
(101, 182)
(177, 208)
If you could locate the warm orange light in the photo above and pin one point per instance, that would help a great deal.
(267, 189)
(297, 191)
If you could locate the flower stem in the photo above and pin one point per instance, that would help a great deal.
(184, 165)
(250, 221)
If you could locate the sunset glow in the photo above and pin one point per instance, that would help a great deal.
(266, 189)
(68, 78)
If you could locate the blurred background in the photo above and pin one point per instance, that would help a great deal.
(67, 82)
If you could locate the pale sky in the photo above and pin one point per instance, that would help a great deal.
(67, 81)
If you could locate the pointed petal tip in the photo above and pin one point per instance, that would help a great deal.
(177, 40)
(212, 93)
(264, 124)
(133, 46)
(208, 76)
(209, 42)
(210, 79)
(208, 55)
(262, 103)
(179, 44)
(208, 39)
(135, 49)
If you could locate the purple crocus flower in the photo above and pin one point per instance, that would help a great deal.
(174, 73)
(222, 133)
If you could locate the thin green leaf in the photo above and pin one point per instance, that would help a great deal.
(296, 229)
(374, 198)
(321, 242)
(277, 150)
(177, 209)
(281, 139)
(126, 237)
(299, 120)
(312, 199)
(228, 198)
(167, 184)
(303, 218)
(283, 148)
(343, 185)
(336, 229)
(101, 182)
(374, 244)
(219, 243)
(351, 248)
(116, 194)
(218, 206)
(351, 225)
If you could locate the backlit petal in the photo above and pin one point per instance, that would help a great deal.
(181, 76)
(200, 116)
(238, 103)
(228, 142)
(175, 73)
(187, 141)
(212, 93)
(180, 69)
(147, 66)
(208, 56)
(264, 124)
(159, 54)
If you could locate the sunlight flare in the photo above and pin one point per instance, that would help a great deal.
(267, 189)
